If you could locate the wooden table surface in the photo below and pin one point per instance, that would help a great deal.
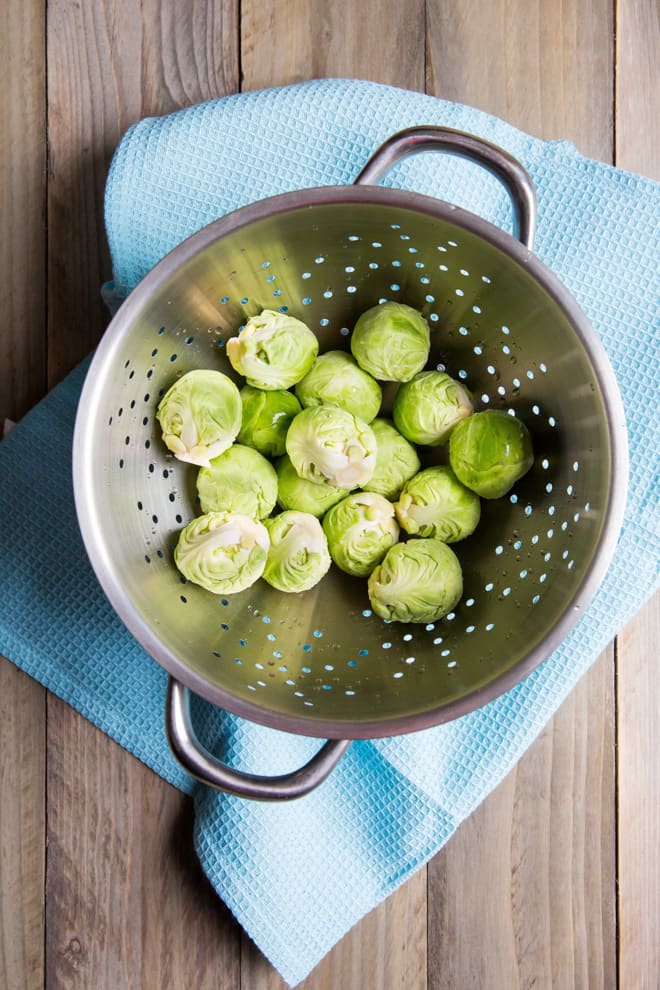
(553, 881)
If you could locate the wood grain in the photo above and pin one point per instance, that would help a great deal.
(544, 67)
(638, 672)
(109, 64)
(22, 203)
(522, 895)
(638, 86)
(286, 42)
(22, 383)
(639, 800)
(128, 905)
(22, 829)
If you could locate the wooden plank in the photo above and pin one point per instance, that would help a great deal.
(128, 905)
(22, 829)
(283, 43)
(522, 895)
(544, 67)
(638, 740)
(638, 674)
(287, 42)
(22, 383)
(638, 87)
(109, 64)
(22, 199)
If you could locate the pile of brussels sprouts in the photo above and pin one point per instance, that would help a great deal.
(348, 484)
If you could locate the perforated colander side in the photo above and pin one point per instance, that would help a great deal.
(321, 662)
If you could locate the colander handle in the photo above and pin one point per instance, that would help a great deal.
(494, 159)
(206, 768)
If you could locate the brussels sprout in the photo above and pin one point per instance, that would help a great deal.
(298, 557)
(200, 416)
(391, 341)
(428, 408)
(240, 480)
(335, 379)
(273, 350)
(360, 530)
(294, 492)
(266, 419)
(417, 581)
(329, 444)
(222, 551)
(396, 460)
(435, 503)
(490, 451)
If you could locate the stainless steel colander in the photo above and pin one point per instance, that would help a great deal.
(320, 663)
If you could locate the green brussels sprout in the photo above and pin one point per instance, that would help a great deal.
(200, 416)
(391, 342)
(273, 350)
(298, 557)
(294, 492)
(326, 443)
(336, 379)
(490, 451)
(266, 419)
(223, 552)
(435, 503)
(428, 408)
(396, 460)
(240, 480)
(360, 530)
(417, 581)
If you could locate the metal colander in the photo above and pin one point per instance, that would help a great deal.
(319, 662)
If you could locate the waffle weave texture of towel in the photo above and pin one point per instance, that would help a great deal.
(297, 876)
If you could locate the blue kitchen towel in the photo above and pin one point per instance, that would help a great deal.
(298, 876)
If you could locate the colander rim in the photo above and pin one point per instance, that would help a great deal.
(309, 724)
